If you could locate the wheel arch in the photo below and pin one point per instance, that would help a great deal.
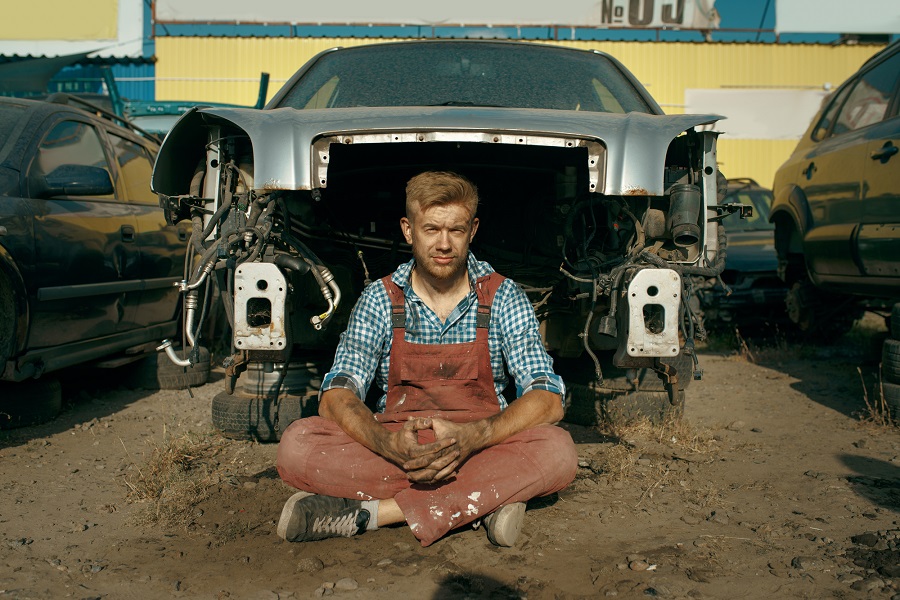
(793, 219)
(14, 311)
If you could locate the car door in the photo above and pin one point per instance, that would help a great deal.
(835, 172)
(162, 247)
(878, 238)
(85, 252)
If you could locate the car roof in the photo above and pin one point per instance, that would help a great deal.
(58, 103)
(35, 112)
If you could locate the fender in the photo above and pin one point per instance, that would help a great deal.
(9, 274)
(790, 207)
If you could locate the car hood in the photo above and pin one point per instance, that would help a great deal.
(751, 251)
(282, 139)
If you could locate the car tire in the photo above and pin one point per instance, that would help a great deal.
(891, 397)
(7, 321)
(157, 372)
(820, 316)
(589, 406)
(890, 360)
(29, 402)
(258, 418)
(895, 322)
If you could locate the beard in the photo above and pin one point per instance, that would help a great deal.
(440, 272)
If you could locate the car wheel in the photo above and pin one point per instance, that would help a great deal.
(29, 402)
(259, 418)
(589, 406)
(821, 316)
(890, 360)
(157, 372)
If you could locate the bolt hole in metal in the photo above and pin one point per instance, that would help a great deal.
(262, 284)
(652, 290)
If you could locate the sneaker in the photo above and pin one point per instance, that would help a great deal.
(307, 517)
(504, 524)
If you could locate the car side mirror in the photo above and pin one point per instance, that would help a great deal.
(72, 180)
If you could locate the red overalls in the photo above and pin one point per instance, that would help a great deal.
(451, 381)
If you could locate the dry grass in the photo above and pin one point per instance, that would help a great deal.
(673, 431)
(618, 462)
(877, 412)
(176, 476)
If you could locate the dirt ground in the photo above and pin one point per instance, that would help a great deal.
(777, 484)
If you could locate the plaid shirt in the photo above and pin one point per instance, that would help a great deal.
(364, 352)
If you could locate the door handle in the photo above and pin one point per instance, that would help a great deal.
(127, 233)
(885, 153)
(809, 170)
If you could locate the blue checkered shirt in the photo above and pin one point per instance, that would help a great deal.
(364, 352)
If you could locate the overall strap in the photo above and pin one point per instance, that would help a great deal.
(398, 303)
(485, 288)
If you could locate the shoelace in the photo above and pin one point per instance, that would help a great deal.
(344, 526)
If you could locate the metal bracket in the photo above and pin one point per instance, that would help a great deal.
(260, 294)
(648, 289)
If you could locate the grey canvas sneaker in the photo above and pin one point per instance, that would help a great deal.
(307, 517)
(504, 524)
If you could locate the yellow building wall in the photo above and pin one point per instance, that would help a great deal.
(59, 20)
(228, 70)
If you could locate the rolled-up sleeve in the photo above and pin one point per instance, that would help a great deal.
(362, 344)
(523, 348)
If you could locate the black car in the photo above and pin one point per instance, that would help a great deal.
(750, 294)
(87, 261)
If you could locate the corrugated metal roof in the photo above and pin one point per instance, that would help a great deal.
(98, 60)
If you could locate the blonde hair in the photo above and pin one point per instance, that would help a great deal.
(436, 188)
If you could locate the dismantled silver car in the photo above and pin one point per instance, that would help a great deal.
(599, 205)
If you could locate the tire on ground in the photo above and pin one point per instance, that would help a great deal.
(895, 321)
(892, 399)
(157, 372)
(588, 405)
(242, 416)
(890, 360)
(29, 402)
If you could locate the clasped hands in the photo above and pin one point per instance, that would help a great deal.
(437, 460)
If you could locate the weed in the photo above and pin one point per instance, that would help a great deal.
(617, 462)
(178, 474)
(877, 412)
(672, 431)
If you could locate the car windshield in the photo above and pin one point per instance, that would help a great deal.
(466, 74)
(760, 200)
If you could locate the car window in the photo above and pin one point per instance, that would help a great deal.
(71, 143)
(760, 200)
(824, 124)
(868, 101)
(136, 168)
(460, 74)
